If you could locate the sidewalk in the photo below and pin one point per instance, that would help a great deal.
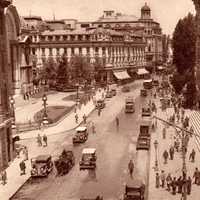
(15, 181)
(174, 167)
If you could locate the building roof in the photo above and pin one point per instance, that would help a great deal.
(33, 18)
(145, 7)
(54, 21)
(118, 18)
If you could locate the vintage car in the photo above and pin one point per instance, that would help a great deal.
(147, 84)
(145, 127)
(126, 89)
(143, 93)
(146, 112)
(114, 92)
(100, 104)
(129, 105)
(109, 94)
(64, 162)
(81, 135)
(165, 102)
(155, 82)
(134, 190)
(143, 143)
(88, 159)
(42, 165)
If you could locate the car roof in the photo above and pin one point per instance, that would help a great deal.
(81, 128)
(42, 157)
(88, 151)
(148, 81)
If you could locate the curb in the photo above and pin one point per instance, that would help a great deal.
(10, 198)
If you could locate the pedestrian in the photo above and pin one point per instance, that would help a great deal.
(162, 178)
(117, 121)
(179, 184)
(22, 166)
(99, 111)
(189, 185)
(177, 144)
(164, 133)
(131, 168)
(168, 181)
(157, 180)
(4, 177)
(84, 119)
(196, 176)
(25, 153)
(93, 128)
(171, 153)
(191, 131)
(44, 140)
(174, 184)
(165, 156)
(192, 155)
(76, 118)
(39, 140)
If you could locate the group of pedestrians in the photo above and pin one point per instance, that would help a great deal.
(174, 184)
(42, 141)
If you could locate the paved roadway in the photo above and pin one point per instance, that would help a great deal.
(115, 147)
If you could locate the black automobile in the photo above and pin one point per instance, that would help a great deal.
(65, 162)
(114, 92)
(143, 143)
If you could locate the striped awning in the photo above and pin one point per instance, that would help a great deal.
(195, 123)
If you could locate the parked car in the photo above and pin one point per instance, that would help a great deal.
(146, 112)
(145, 127)
(134, 190)
(81, 135)
(126, 89)
(88, 159)
(155, 82)
(41, 165)
(147, 84)
(65, 162)
(100, 104)
(143, 92)
(114, 92)
(109, 94)
(143, 143)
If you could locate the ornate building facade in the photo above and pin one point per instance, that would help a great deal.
(9, 31)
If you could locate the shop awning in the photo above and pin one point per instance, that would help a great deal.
(195, 123)
(121, 74)
(142, 71)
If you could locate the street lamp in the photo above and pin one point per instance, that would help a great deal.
(45, 117)
(77, 96)
(12, 103)
(156, 160)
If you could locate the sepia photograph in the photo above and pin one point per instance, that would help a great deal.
(99, 100)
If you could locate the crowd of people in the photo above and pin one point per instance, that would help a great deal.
(176, 183)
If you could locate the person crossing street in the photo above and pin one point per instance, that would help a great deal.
(131, 168)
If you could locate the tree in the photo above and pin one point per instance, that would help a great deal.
(62, 75)
(184, 38)
(48, 74)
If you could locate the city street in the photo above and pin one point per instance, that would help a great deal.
(115, 147)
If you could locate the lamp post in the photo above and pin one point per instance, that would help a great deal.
(156, 160)
(45, 117)
(12, 103)
(77, 96)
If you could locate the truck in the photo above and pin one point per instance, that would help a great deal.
(129, 105)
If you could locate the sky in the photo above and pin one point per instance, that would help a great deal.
(166, 12)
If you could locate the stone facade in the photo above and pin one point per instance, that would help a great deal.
(6, 75)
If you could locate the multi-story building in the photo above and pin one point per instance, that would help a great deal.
(9, 31)
(121, 42)
(149, 28)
